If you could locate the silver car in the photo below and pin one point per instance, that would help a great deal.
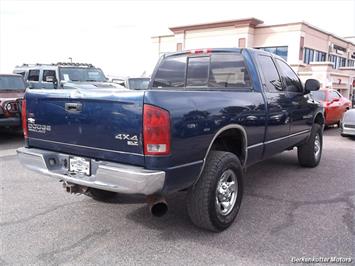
(348, 123)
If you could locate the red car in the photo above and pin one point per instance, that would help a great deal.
(335, 105)
(12, 89)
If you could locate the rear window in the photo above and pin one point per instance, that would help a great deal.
(220, 70)
(11, 83)
(318, 95)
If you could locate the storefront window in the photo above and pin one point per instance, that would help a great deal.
(320, 56)
(281, 51)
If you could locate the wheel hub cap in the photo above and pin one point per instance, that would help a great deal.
(317, 146)
(226, 192)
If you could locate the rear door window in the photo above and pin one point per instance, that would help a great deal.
(271, 75)
(33, 75)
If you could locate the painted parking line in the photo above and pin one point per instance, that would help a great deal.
(9, 152)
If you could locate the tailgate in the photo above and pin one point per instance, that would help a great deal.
(103, 124)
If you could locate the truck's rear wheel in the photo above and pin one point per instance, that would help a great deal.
(214, 201)
(310, 153)
(100, 195)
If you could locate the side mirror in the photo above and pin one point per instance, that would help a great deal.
(336, 100)
(311, 85)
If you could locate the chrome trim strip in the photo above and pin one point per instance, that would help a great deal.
(255, 145)
(289, 136)
(185, 165)
(93, 148)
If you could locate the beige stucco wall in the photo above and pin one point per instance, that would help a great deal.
(211, 38)
(268, 36)
(280, 36)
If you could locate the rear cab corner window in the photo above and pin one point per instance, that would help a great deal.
(216, 70)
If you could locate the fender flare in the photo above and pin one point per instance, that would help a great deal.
(216, 135)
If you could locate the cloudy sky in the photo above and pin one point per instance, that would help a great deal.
(115, 35)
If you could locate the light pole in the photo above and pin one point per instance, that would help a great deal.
(71, 59)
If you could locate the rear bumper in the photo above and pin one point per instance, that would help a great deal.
(121, 178)
(348, 131)
(10, 122)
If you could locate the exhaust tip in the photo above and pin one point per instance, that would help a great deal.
(159, 209)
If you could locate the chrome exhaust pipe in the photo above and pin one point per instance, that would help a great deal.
(157, 205)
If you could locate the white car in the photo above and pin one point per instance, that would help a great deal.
(348, 123)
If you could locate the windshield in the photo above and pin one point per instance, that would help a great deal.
(81, 74)
(11, 83)
(319, 95)
(138, 83)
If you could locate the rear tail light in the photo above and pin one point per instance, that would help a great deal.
(156, 130)
(24, 119)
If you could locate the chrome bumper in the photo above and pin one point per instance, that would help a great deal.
(348, 131)
(105, 175)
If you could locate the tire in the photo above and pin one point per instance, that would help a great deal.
(310, 153)
(204, 202)
(100, 195)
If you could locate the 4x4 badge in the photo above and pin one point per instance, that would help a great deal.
(131, 140)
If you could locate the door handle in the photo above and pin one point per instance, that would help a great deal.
(73, 107)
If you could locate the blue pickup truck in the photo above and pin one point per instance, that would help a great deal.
(206, 117)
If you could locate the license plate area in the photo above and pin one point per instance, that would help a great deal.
(79, 165)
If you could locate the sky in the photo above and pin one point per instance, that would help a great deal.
(116, 35)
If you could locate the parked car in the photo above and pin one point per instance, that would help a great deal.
(334, 103)
(64, 76)
(12, 89)
(207, 116)
(348, 123)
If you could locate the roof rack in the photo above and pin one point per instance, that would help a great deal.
(58, 64)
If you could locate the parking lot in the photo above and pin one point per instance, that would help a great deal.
(287, 212)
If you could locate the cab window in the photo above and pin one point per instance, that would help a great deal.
(33, 75)
(271, 76)
(48, 73)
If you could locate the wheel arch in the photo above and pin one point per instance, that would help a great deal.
(239, 148)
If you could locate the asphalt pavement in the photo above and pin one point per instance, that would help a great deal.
(287, 212)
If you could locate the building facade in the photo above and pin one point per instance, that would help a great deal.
(312, 52)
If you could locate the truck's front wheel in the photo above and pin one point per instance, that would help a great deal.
(213, 202)
(310, 153)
